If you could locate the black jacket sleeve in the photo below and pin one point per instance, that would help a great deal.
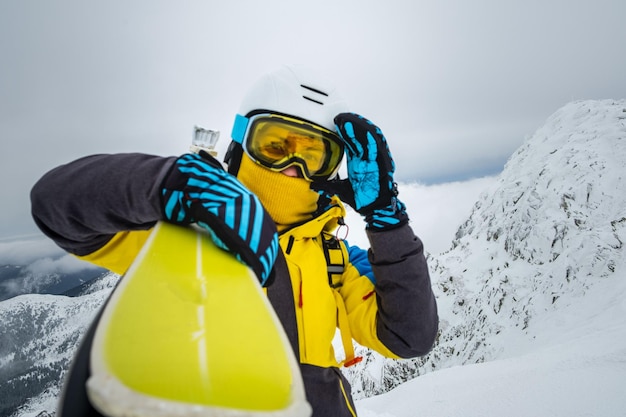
(407, 320)
(83, 204)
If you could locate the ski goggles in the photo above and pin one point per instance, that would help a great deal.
(277, 142)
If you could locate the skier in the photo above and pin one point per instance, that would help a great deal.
(288, 141)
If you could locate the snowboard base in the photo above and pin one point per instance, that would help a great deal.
(189, 332)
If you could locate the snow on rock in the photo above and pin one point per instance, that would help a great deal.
(537, 241)
(574, 365)
(38, 337)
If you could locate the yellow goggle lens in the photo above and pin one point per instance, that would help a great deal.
(278, 142)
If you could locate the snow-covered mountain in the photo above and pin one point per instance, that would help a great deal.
(38, 336)
(532, 280)
(571, 362)
(550, 229)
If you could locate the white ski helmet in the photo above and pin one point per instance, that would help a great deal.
(295, 91)
(292, 91)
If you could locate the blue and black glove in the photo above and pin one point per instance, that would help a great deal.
(199, 190)
(370, 188)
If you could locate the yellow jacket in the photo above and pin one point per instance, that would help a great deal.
(320, 308)
(101, 208)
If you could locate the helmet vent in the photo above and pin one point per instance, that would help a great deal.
(313, 100)
(313, 90)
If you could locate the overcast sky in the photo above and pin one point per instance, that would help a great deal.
(456, 86)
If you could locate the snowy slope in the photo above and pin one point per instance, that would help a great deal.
(573, 364)
(553, 227)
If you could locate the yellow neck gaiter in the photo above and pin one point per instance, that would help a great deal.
(288, 200)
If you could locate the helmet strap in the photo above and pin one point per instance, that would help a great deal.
(233, 157)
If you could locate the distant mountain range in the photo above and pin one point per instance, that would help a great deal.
(21, 279)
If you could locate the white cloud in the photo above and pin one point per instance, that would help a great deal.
(40, 255)
(26, 250)
(435, 211)
(67, 264)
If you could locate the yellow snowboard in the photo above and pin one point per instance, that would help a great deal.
(189, 332)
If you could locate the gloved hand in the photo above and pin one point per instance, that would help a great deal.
(370, 188)
(199, 190)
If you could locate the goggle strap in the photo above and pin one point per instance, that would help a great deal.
(239, 128)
